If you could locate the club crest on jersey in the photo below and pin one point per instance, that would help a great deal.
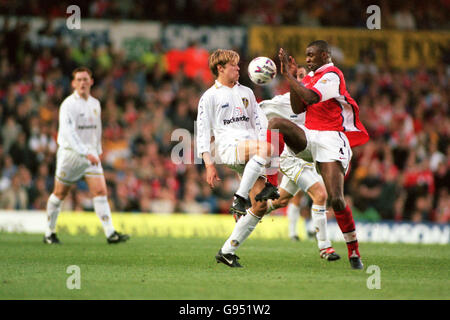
(239, 111)
(245, 102)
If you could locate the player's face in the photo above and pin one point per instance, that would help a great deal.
(231, 71)
(301, 73)
(314, 58)
(82, 83)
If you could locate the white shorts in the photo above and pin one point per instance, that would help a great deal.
(71, 167)
(326, 146)
(297, 173)
(227, 154)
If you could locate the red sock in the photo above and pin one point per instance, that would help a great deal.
(346, 223)
(273, 178)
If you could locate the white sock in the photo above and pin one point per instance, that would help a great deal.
(293, 214)
(253, 169)
(319, 218)
(53, 209)
(103, 211)
(242, 230)
(270, 206)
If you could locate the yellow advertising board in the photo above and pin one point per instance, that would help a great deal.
(401, 49)
(174, 225)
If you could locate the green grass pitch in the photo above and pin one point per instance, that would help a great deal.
(185, 269)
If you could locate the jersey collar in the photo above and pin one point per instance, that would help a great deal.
(311, 73)
(218, 85)
(77, 95)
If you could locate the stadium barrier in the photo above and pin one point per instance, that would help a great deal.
(401, 49)
(216, 226)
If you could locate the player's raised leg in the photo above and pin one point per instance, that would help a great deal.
(291, 135)
(276, 140)
(97, 187)
(256, 154)
(333, 176)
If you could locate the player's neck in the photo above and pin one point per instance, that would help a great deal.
(226, 82)
(85, 96)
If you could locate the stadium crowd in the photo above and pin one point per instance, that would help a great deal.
(402, 14)
(401, 174)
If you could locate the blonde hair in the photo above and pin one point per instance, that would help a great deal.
(222, 57)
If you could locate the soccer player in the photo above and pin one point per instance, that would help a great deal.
(299, 175)
(79, 147)
(229, 112)
(332, 127)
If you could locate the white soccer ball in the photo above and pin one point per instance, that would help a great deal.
(262, 70)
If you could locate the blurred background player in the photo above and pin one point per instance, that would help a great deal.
(332, 127)
(299, 206)
(229, 110)
(79, 140)
(299, 175)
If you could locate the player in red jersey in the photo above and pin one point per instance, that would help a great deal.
(331, 128)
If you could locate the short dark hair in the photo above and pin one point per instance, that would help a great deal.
(322, 45)
(81, 69)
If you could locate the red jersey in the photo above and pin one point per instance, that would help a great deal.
(336, 110)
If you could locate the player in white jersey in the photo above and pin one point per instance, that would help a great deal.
(79, 148)
(228, 111)
(298, 174)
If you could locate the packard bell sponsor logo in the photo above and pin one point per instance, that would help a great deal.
(235, 119)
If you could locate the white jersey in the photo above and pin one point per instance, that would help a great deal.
(280, 107)
(80, 126)
(228, 114)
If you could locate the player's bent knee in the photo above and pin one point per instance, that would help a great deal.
(61, 190)
(319, 196)
(99, 194)
(337, 203)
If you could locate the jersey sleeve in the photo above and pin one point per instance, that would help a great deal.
(327, 87)
(68, 130)
(204, 125)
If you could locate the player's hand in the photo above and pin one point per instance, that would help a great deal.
(284, 61)
(93, 159)
(211, 175)
(293, 67)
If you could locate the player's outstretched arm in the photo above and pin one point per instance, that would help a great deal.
(308, 96)
(297, 104)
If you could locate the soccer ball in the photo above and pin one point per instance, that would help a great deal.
(262, 70)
